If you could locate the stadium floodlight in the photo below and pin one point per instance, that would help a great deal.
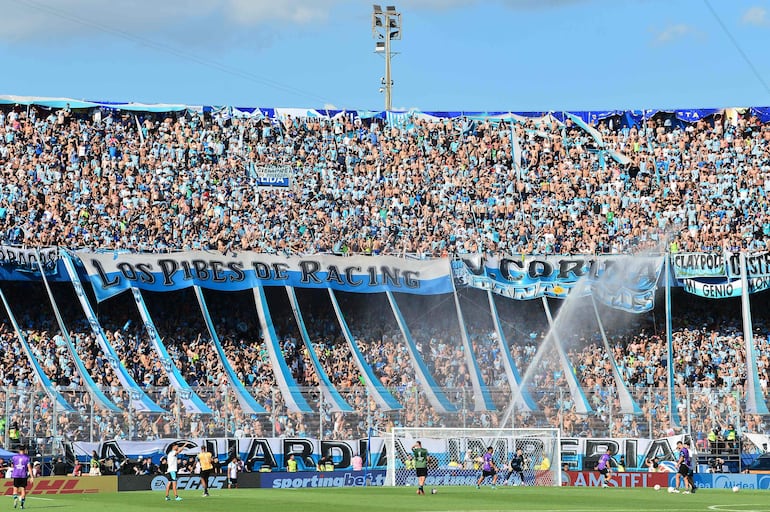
(386, 27)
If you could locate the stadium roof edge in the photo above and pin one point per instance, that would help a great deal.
(397, 117)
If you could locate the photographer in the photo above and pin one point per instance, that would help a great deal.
(653, 464)
(717, 465)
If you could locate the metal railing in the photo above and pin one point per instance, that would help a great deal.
(45, 426)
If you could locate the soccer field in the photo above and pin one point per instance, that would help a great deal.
(455, 499)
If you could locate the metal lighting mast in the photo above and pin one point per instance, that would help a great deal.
(386, 26)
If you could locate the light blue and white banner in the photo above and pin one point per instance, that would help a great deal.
(433, 392)
(757, 265)
(627, 403)
(24, 259)
(620, 281)
(520, 396)
(672, 401)
(755, 400)
(712, 289)
(377, 391)
(272, 452)
(482, 398)
(697, 264)
(726, 266)
(721, 275)
(112, 273)
(568, 369)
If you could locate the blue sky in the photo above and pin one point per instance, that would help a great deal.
(517, 55)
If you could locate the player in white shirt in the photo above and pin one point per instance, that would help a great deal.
(232, 473)
(173, 467)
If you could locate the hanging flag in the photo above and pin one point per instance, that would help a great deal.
(139, 399)
(94, 390)
(627, 403)
(516, 151)
(48, 386)
(248, 404)
(514, 378)
(435, 396)
(189, 399)
(295, 402)
(570, 373)
(376, 390)
(755, 401)
(481, 395)
(330, 393)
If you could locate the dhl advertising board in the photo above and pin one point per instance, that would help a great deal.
(66, 485)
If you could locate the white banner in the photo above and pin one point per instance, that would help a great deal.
(272, 451)
(112, 273)
(26, 259)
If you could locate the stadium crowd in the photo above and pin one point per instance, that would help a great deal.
(106, 179)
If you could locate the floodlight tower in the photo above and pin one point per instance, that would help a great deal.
(386, 26)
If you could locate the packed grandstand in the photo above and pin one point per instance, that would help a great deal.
(101, 184)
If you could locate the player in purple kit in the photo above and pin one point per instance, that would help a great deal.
(604, 469)
(684, 469)
(21, 473)
(488, 468)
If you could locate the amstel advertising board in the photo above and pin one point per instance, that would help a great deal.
(667, 479)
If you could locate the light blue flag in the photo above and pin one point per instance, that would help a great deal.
(189, 399)
(96, 393)
(432, 391)
(755, 402)
(481, 396)
(330, 393)
(514, 378)
(248, 404)
(48, 386)
(139, 399)
(295, 402)
(570, 374)
(376, 390)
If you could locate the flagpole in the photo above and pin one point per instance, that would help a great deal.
(670, 346)
(755, 402)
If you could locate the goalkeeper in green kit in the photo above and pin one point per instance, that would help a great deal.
(420, 465)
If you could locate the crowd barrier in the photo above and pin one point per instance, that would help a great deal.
(48, 428)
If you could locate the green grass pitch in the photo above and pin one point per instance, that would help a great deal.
(454, 499)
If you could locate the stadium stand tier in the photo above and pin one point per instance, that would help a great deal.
(118, 180)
